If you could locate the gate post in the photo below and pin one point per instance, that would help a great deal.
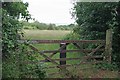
(62, 54)
(108, 46)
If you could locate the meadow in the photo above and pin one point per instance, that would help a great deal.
(59, 35)
(45, 34)
(50, 35)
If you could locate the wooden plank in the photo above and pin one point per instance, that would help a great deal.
(61, 59)
(82, 63)
(62, 47)
(35, 49)
(81, 50)
(95, 50)
(108, 47)
(69, 65)
(63, 54)
(67, 73)
(54, 51)
(77, 45)
(64, 59)
(60, 41)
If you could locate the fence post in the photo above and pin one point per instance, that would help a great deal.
(62, 54)
(108, 46)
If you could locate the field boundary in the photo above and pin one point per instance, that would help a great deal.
(104, 46)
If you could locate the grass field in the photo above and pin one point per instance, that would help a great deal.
(45, 34)
(50, 35)
(58, 35)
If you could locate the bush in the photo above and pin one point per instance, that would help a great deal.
(13, 54)
(31, 69)
(22, 64)
(107, 66)
(26, 27)
(72, 36)
(95, 18)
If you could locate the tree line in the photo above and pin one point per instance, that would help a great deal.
(44, 26)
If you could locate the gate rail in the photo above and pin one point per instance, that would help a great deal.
(60, 41)
(103, 45)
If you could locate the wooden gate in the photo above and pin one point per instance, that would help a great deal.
(101, 46)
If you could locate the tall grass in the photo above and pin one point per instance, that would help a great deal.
(45, 34)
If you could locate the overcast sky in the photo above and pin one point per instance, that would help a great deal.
(51, 11)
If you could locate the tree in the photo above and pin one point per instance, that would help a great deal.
(51, 26)
(11, 26)
(13, 53)
(95, 18)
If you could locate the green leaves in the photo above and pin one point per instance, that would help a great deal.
(14, 9)
(11, 26)
(107, 66)
(95, 18)
(14, 54)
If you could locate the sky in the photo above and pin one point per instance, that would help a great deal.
(51, 11)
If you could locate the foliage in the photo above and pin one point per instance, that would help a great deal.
(11, 25)
(22, 65)
(116, 36)
(29, 66)
(13, 53)
(91, 20)
(43, 26)
(95, 18)
(10, 68)
(72, 36)
(51, 27)
(107, 66)
(40, 71)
